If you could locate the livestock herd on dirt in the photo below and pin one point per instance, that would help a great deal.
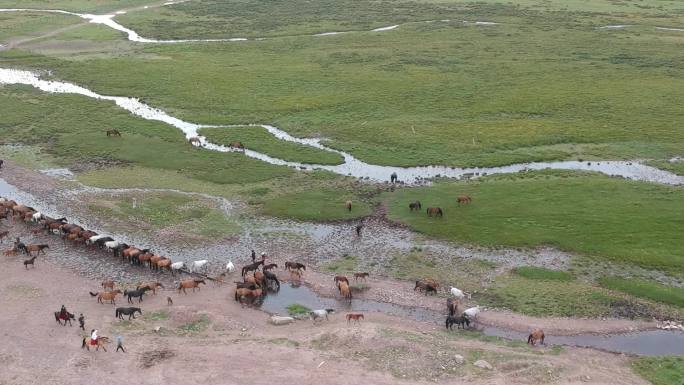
(258, 278)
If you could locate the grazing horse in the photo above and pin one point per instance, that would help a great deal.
(345, 291)
(536, 335)
(59, 317)
(190, 283)
(129, 311)
(434, 211)
(150, 286)
(247, 293)
(195, 141)
(348, 205)
(31, 262)
(452, 306)
(354, 316)
(294, 266)
(101, 341)
(415, 206)
(106, 296)
(37, 248)
(269, 266)
(113, 132)
(271, 277)
(472, 313)
(316, 314)
(340, 278)
(237, 145)
(461, 321)
(135, 294)
(363, 276)
(426, 287)
(252, 267)
(465, 199)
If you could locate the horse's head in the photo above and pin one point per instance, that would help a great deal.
(330, 311)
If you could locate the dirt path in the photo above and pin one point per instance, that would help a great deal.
(206, 337)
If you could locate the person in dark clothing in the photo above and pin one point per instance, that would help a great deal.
(81, 321)
(253, 256)
(358, 229)
(119, 344)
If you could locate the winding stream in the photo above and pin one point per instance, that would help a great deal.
(351, 166)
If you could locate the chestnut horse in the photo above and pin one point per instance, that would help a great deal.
(106, 296)
(354, 316)
(434, 211)
(150, 286)
(536, 335)
(108, 284)
(340, 278)
(190, 283)
(101, 341)
(237, 145)
(360, 275)
(465, 199)
(37, 248)
(247, 293)
(345, 291)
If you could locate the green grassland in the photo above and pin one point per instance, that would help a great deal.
(661, 370)
(595, 215)
(31, 24)
(646, 289)
(540, 87)
(258, 139)
(74, 5)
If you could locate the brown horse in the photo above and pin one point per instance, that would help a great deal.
(465, 199)
(106, 296)
(360, 275)
(294, 266)
(348, 205)
(150, 286)
(260, 278)
(424, 286)
(190, 284)
(354, 316)
(195, 141)
(536, 335)
(434, 211)
(37, 248)
(31, 262)
(237, 145)
(345, 291)
(164, 263)
(247, 293)
(415, 206)
(340, 278)
(108, 284)
(113, 132)
(101, 342)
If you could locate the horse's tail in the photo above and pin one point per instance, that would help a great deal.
(93, 294)
(83, 343)
(529, 339)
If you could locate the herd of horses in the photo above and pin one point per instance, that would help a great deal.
(437, 211)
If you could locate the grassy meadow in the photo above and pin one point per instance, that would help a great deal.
(662, 370)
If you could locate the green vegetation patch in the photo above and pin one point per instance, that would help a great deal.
(622, 220)
(662, 370)
(31, 24)
(196, 326)
(540, 273)
(316, 205)
(259, 139)
(464, 274)
(645, 289)
(676, 167)
(297, 309)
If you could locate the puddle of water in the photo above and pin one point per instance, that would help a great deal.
(647, 343)
(671, 29)
(61, 173)
(351, 166)
(388, 28)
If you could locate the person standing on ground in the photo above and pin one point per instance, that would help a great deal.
(263, 259)
(253, 256)
(81, 321)
(358, 229)
(119, 344)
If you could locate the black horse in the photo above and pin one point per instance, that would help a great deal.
(101, 242)
(135, 294)
(269, 266)
(129, 311)
(66, 317)
(252, 267)
(118, 250)
(271, 277)
(394, 177)
(415, 206)
(461, 320)
(294, 266)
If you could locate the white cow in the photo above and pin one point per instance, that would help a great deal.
(197, 265)
(230, 267)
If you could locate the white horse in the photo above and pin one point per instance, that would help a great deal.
(459, 294)
(112, 244)
(230, 267)
(37, 216)
(177, 266)
(320, 313)
(198, 265)
(472, 312)
(94, 238)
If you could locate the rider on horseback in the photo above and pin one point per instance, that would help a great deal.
(93, 337)
(63, 313)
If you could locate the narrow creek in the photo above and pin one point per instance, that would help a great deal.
(647, 343)
(351, 166)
